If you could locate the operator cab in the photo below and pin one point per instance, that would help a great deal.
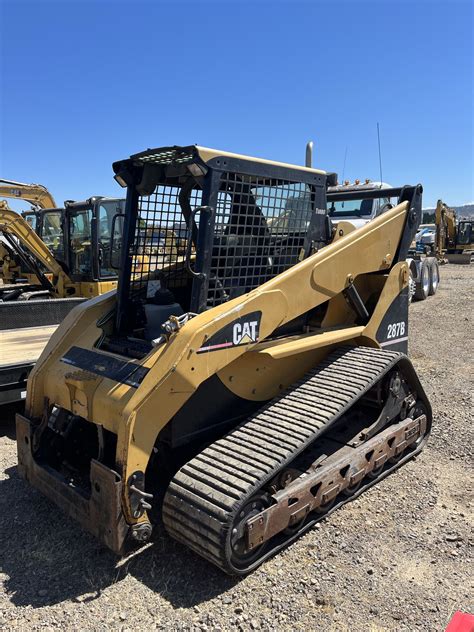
(203, 227)
(80, 236)
(464, 233)
(89, 234)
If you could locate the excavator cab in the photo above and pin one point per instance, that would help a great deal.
(91, 228)
(464, 234)
(80, 235)
(47, 224)
(71, 252)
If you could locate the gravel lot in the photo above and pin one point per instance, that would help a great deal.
(397, 558)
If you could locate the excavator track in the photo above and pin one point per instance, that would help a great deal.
(215, 498)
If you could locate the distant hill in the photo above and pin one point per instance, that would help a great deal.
(466, 210)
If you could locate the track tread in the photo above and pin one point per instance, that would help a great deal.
(199, 508)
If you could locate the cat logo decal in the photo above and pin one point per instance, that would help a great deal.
(239, 332)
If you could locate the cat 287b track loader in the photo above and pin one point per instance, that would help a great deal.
(244, 389)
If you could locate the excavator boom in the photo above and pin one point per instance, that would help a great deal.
(12, 224)
(37, 194)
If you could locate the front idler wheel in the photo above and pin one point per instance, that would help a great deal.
(242, 558)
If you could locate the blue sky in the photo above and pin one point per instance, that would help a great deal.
(85, 83)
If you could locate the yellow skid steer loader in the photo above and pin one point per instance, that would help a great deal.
(244, 390)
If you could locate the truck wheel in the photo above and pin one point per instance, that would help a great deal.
(411, 285)
(434, 276)
(422, 288)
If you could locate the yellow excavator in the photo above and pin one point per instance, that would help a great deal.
(21, 248)
(454, 238)
(244, 391)
(40, 198)
(77, 261)
(67, 258)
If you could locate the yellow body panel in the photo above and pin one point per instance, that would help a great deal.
(207, 154)
(263, 372)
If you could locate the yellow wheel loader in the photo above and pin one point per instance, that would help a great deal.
(240, 392)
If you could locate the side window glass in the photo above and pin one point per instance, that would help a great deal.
(381, 205)
(464, 233)
(110, 261)
(52, 233)
(105, 220)
(81, 246)
(32, 220)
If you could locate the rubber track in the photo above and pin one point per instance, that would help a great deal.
(206, 494)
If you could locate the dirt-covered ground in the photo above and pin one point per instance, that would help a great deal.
(398, 558)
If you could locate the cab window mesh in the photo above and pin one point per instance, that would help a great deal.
(159, 246)
(259, 232)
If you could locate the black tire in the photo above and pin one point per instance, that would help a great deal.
(434, 276)
(422, 288)
(411, 285)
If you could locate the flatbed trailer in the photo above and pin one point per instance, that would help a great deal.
(25, 328)
(20, 348)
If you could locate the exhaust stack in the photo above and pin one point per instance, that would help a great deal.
(309, 154)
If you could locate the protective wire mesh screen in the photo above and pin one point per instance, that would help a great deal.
(160, 241)
(260, 230)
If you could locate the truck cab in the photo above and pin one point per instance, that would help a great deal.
(358, 211)
(351, 203)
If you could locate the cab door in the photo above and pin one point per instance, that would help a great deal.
(106, 210)
(51, 230)
(80, 244)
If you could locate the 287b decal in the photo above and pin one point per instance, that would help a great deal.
(396, 330)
